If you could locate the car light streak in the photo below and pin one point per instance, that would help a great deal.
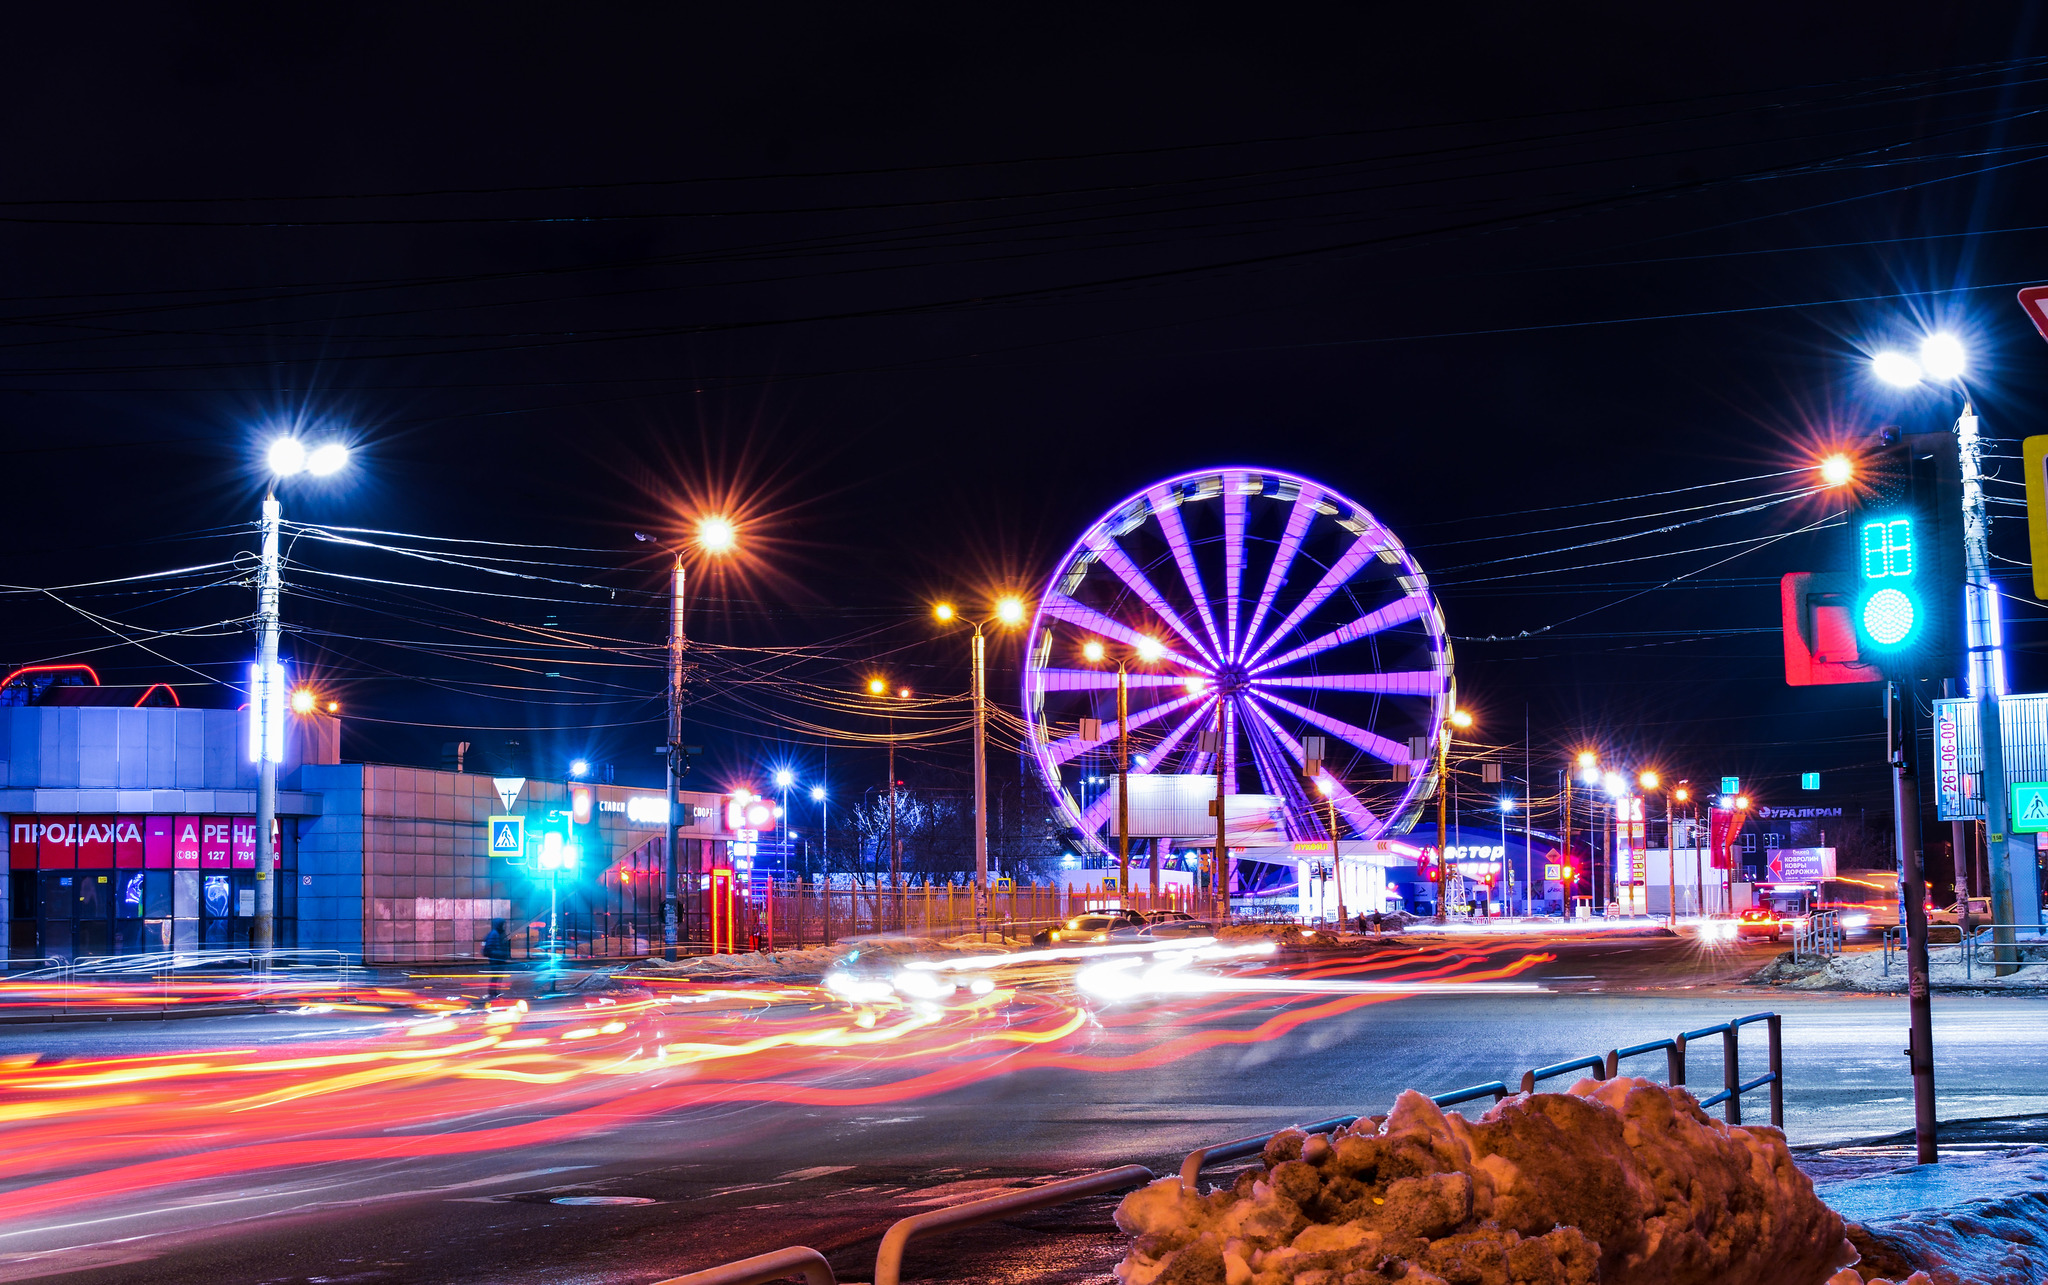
(91, 1131)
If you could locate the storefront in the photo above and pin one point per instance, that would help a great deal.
(133, 830)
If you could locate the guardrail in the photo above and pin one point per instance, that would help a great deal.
(1605, 1066)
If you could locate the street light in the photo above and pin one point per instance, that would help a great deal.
(285, 457)
(1009, 612)
(1837, 470)
(1326, 785)
(579, 768)
(879, 687)
(1457, 720)
(715, 536)
(1146, 649)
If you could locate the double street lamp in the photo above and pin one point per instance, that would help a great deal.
(286, 457)
(1145, 650)
(879, 688)
(1457, 720)
(1009, 612)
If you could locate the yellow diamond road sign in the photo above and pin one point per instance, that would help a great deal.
(508, 836)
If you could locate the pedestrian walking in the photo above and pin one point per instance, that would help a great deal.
(497, 959)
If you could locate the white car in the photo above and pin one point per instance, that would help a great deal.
(1977, 908)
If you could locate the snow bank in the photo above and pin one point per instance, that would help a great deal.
(1616, 1181)
(1984, 1242)
(815, 961)
(1863, 970)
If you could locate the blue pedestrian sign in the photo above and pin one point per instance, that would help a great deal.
(2029, 807)
(508, 836)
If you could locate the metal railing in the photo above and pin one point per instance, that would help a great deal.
(1605, 1066)
(1976, 938)
(889, 1258)
(762, 1268)
(1818, 936)
(161, 982)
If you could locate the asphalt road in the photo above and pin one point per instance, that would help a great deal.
(694, 1186)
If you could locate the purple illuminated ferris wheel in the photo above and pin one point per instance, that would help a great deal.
(1285, 610)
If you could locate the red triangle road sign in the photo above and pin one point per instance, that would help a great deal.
(2035, 300)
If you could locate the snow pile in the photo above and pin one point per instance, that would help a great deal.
(1848, 1276)
(1616, 1181)
(1280, 934)
(1984, 1242)
(1864, 970)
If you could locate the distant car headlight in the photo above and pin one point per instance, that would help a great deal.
(1855, 921)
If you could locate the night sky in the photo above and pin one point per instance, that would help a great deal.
(920, 292)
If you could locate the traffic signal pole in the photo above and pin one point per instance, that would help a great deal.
(1899, 722)
(670, 888)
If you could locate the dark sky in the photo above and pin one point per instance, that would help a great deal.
(922, 291)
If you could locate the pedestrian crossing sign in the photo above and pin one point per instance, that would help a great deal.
(508, 836)
(2029, 807)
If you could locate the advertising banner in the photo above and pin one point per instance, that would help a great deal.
(1724, 825)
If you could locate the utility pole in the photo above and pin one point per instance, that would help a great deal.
(671, 890)
(895, 848)
(266, 724)
(980, 783)
(1220, 889)
(1913, 890)
(1123, 785)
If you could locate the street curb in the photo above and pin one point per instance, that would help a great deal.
(170, 1015)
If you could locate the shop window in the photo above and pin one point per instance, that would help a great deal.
(217, 897)
(156, 894)
(185, 894)
(185, 932)
(21, 894)
(1771, 842)
(129, 894)
(95, 894)
(58, 893)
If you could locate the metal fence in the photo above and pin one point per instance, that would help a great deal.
(153, 984)
(1974, 946)
(1818, 936)
(796, 1259)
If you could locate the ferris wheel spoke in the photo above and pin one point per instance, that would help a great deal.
(1362, 550)
(1411, 682)
(1348, 803)
(1114, 557)
(1168, 517)
(1175, 737)
(1067, 747)
(1074, 613)
(1380, 747)
(1399, 612)
(1298, 518)
(1096, 680)
(1233, 556)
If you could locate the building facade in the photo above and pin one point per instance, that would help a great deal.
(133, 831)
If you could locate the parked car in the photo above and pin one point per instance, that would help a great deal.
(1758, 922)
(1096, 925)
(1175, 923)
(1977, 910)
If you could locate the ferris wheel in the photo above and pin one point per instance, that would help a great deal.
(1252, 610)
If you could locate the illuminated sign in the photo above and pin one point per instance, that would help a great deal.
(644, 809)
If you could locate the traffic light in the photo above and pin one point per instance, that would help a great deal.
(559, 849)
(1905, 561)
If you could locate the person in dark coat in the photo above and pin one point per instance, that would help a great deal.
(498, 959)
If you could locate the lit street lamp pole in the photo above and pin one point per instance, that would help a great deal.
(715, 535)
(879, 687)
(287, 457)
(1010, 613)
(1147, 649)
(1458, 718)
